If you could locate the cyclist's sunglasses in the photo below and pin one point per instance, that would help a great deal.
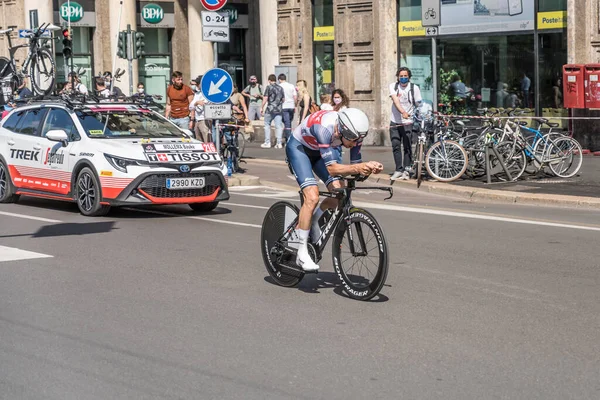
(343, 128)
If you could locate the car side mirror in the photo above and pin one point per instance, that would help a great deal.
(58, 135)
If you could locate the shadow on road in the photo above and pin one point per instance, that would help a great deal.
(69, 229)
(312, 283)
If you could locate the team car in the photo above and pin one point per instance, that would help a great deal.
(106, 154)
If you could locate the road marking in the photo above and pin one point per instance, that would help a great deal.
(244, 188)
(447, 213)
(219, 221)
(14, 254)
(8, 214)
(245, 205)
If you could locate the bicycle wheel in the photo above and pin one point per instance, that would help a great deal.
(241, 144)
(277, 233)
(446, 163)
(419, 164)
(564, 157)
(513, 157)
(43, 72)
(360, 255)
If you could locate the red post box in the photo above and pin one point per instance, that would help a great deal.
(573, 85)
(592, 86)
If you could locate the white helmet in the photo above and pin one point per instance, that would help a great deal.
(353, 124)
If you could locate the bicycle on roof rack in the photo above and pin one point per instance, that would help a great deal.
(39, 62)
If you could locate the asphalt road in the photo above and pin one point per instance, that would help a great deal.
(482, 302)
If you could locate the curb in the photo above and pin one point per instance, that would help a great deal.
(243, 180)
(477, 194)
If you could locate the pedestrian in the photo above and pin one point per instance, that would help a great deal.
(406, 96)
(101, 89)
(179, 97)
(272, 111)
(23, 91)
(304, 100)
(525, 86)
(237, 100)
(108, 79)
(79, 86)
(339, 100)
(202, 126)
(254, 95)
(557, 94)
(289, 105)
(326, 102)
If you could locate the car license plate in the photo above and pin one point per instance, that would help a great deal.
(185, 183)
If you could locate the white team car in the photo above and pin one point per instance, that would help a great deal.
(101, 155)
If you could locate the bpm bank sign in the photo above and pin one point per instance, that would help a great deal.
(80, 12)
(72, 11)
(153, 13)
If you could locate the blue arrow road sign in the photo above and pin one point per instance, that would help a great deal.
(217, 86)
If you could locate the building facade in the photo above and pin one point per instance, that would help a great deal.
(355, 45)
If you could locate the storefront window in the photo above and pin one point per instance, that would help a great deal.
(155, 67)
(323, 39)
(82, 57)
(553, 55)
(552, 5)
(491, 68)
(416, 55)
(231, 56)
(409, 10)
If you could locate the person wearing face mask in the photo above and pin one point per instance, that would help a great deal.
(339, 100)
(254, 95)
(406, 96)
(202, 128)
(116, 91)
(179, 97)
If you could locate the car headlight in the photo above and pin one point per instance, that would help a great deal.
(120, 163)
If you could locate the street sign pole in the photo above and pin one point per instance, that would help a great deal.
(216, 137)
(431, 20)
(434, 72)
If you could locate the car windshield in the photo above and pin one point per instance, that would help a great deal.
(126, 124)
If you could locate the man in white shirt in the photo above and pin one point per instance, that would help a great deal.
(289, 105)
(406, 97)
(202, 127)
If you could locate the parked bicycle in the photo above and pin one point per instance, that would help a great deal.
(39, 62)
(360, 252)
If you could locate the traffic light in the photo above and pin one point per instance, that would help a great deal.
(122, 45)
(139, 45)
(67, 44)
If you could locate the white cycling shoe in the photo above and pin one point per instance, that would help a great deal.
(304, 261)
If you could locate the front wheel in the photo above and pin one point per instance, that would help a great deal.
(360, 255)
(565, 157)
(43, 72)
(446, 161)
(276, 237)
(7, 190)
(89, 194)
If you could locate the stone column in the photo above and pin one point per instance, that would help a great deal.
(127, 17)
(268, 38)
(181, 38)
(201, 52)
(44, 9)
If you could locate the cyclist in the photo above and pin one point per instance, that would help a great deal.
(316, 145)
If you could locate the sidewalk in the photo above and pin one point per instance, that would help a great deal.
(582, 190)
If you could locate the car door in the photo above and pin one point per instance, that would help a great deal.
(56, 158)
(7, 144)
(25, 151)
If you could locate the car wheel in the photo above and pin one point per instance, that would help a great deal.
(7, 190)
(89, 194)
(204, 207)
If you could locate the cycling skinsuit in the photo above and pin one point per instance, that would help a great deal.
(313, 147)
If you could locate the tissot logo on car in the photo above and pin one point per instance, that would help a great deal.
(181, 157)
(72, 9)
(152, 13)
(25, 154)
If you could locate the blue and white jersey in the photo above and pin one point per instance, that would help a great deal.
(316, 133)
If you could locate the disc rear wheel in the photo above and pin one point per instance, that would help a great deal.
(276, 239)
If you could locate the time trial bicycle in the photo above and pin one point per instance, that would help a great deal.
(360, 252)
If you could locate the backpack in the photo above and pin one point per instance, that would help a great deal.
(411, 98)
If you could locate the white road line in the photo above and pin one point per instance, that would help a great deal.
(14, 254)
(245, 205)
(244, 188)
(417, 210)
(8, 214)
(219, 221)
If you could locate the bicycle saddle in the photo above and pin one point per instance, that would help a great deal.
(3, 31)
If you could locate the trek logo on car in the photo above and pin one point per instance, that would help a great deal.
(29, 155)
